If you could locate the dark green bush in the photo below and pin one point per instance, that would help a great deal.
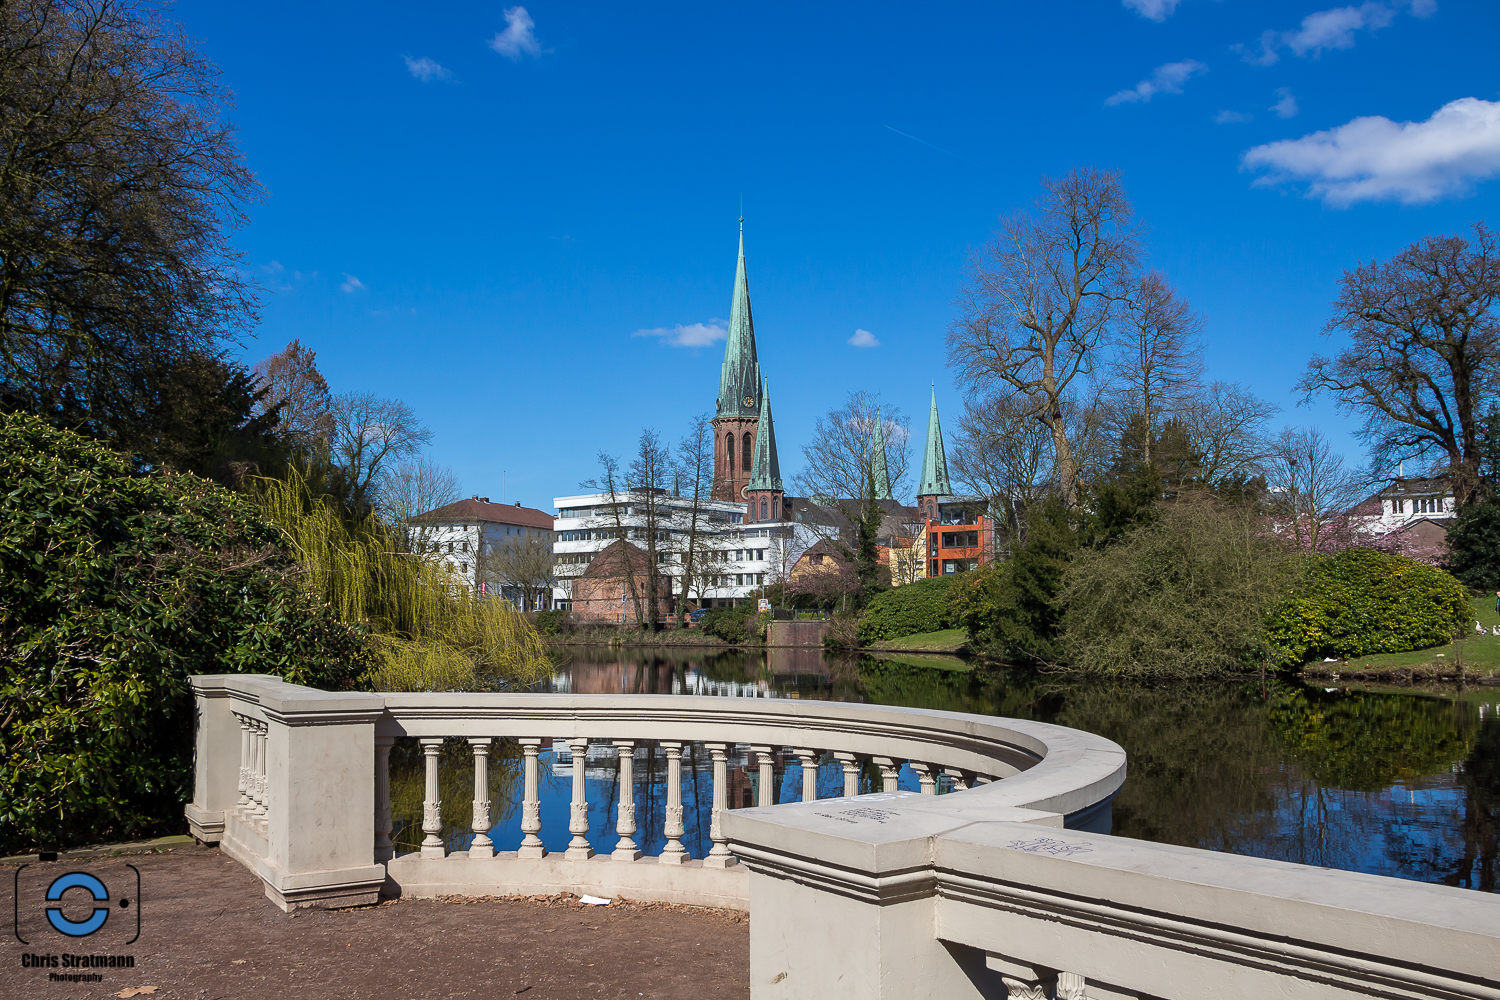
(734, 624)
(1361, 601)
(117, 587)
(921, 606)
(551, 622)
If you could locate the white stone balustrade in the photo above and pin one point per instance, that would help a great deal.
(977, 892)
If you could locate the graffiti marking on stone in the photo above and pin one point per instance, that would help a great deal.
(1046, 845)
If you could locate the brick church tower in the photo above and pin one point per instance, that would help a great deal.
(738, 413)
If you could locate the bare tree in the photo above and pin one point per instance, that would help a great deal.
(1157, 360)
(1310, 487)
(1226, 425)
(638, 507)
(693, 476)
(1003, 453)
(837, 462)
(298, 394)
(1424, 352)
(368, 433)
(524, 563)
(120, 183)
(1041, 297)
(411, 488)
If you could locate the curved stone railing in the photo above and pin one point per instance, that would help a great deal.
(1005, 885)
(309, 773)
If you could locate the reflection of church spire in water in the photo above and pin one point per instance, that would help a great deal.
(877, 458)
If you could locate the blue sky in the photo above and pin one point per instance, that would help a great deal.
(479, 208)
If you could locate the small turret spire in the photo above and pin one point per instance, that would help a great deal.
(877, 448)
(765, 471)
(934, 481)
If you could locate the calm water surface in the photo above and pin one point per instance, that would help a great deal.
(1393, 783)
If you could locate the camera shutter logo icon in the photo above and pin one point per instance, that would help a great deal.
(77, 880)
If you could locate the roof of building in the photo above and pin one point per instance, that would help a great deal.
(611, 560)
(480, 510)
(1417, 486)
(739, 376)
(765, 470)
(934, 481)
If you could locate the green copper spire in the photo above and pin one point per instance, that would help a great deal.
(765, 471)
(739, 377)
(934, 460)
(882, 474)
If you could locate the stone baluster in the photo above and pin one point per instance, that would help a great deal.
(258, 772)
(673, 853)
(850, 763)
(718, 855)
(959, 777)
(432, 806)
(809, 761)
(765, 764)
(481, 846)
(626, 849)
(890, 774)
(531, 803)
(385, 850)
(926, 778)
(242, 804)
(578, 812)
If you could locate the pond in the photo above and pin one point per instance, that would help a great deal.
(1400, 783)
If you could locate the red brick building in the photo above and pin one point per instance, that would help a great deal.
(603, 593)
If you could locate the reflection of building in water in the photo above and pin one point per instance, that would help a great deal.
(602, 761)
(615, 677)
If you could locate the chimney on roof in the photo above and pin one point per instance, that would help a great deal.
(518, 503)
(483, 499)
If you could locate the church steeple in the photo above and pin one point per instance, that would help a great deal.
(765, 473)
(739, 376)
(878, 460)
(934, 482)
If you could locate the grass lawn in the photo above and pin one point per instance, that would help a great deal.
(948, 640)
(1479, 655)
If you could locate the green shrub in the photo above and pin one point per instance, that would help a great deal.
(1184, 594)
(734, 624)
(551, 622)
(1361, 601)
(116, 588)
(921, 606)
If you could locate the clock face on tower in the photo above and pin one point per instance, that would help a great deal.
(749, 400)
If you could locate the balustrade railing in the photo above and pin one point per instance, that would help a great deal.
(996, 877)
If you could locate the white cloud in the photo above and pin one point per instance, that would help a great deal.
(517, 39)
(351, 284)
(426, 70)
(863, 338)
(1286, 104)
(1334, 28)
(1376, 159)
(1231, 117)
(1165, 79)
(688, 335)
(1155, 10)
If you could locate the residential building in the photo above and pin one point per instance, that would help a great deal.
(472, 539)
(1409, 515)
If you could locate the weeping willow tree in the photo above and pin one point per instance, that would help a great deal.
(428, 634)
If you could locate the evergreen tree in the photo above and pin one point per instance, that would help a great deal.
(1474, 537)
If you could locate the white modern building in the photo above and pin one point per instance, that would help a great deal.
(733, 558)
(469, 535)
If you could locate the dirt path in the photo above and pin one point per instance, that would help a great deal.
(207, 932)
